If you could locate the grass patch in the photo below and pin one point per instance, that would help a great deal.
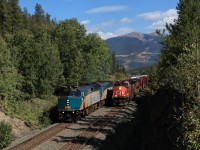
(34, 112)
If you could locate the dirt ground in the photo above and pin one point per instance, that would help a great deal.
(19, 128)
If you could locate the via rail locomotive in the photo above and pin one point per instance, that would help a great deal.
(74, 102)
(124, 91)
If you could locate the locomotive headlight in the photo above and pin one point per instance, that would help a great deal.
(120, 88)
(67, 102)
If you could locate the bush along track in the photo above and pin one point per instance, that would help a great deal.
(6, 135)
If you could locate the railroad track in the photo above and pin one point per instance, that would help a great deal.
(42, 137)
(77, 142)
(85, 136)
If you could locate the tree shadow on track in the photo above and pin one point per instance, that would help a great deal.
(130, 135)
(149, 128)
(53, 114)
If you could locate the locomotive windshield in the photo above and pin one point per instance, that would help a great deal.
(121, 84)
(63, 91)
(117, 84)
(125, 84)
(75, 92)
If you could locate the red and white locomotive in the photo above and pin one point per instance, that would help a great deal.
(125, 90)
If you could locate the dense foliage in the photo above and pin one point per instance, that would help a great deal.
(5, 134)
(179, 67)
(38, 53)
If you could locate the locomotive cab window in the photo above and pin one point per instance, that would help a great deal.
(75, 92)
(117, 84)
(125, 84)
(64, 91)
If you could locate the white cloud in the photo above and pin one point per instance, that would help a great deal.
(160, 24)
(123, 30)
(171, 12)
(161, 18)
(158, 14)
(101, 26)
(157, 25)
(106, 9)
(106, 35)
(151, 15)
(85, 22)
(102, 29)
(126, 20)
(118, 32)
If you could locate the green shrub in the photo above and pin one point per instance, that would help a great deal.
(6, 135)
(36, 113)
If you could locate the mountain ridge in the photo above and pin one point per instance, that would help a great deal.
(135, 49)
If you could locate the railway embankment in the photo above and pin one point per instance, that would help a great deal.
(151, 126)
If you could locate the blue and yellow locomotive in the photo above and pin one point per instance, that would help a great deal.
(75, 102)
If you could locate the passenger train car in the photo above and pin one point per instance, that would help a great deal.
(74, 102)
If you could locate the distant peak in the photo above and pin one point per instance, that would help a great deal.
(137, 35)
(153, 34)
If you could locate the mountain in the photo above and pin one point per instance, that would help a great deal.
(135, 50)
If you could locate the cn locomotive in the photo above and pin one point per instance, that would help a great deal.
(121, 92)
(125, 90)
(74, 102)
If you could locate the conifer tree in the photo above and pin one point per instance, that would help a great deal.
(4, 17)
(114, 63)
(48, 65)
(69, 36)
(39, 13)
(9, 78)
(15, 16)
(26, 18)
(97, 59)
(179, 67)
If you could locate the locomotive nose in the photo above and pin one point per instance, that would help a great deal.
(67, 104)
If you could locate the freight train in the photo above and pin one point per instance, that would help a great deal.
(77, 101)
(125, 90)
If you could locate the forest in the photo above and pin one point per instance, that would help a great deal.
(38, 53)
(179, 70)
(175, 83)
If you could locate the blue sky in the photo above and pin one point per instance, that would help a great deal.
(110, 18)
